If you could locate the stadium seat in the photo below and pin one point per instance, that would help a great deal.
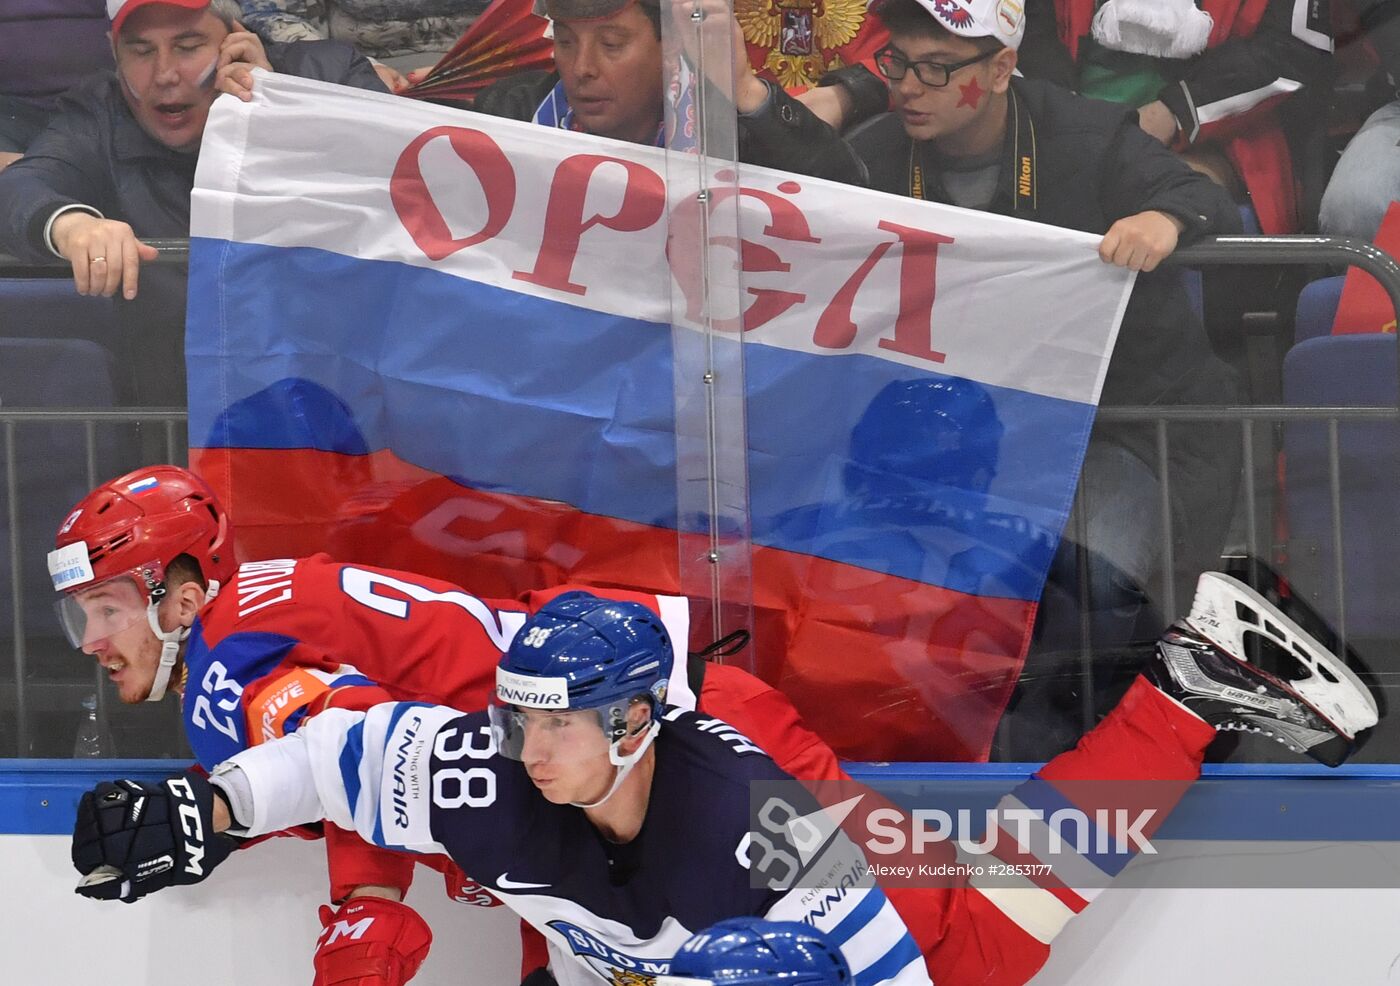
(50, 459)
(1194, 285)
(1336, 371)
(50, 308)
(1249, 221)
(1317, 308)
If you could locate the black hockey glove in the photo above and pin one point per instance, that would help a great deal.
(132, 839)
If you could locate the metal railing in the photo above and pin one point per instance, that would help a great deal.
(1271, 251)
(170, 420)
(168, 251)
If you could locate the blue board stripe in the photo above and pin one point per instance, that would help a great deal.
(1043, 795)
(1353, 802)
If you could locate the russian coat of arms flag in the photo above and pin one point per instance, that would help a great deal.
(429, 339)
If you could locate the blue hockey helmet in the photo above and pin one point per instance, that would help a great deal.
(754, 952)
(917, 435)
(582, 653)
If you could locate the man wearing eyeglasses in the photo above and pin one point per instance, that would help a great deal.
(967, 131)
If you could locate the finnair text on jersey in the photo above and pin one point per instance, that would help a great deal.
(400, 786)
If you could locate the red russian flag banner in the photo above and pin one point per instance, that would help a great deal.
(434, 340)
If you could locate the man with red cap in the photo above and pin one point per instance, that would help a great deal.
(115, 167)
(116, 162)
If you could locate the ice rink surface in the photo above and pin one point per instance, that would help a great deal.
(254, 924)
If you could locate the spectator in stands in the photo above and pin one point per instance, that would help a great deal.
(1367, 178)
(609, 82)
(46, 46)
(116, 163)
(396, 35)
(965, 132)
(1206, 82)
(117, 160)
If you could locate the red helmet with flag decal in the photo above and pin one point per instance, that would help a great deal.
(148, 516)
(129, 530)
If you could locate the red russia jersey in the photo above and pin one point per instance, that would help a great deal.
(285, 635)
(288, 638)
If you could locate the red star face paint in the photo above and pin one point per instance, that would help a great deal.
(971, 94)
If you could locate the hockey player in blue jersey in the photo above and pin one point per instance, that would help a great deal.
(754, 952)
(615, 837)
(617, 826)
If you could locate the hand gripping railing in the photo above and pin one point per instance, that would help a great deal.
(168, 251)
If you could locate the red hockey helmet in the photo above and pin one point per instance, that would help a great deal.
(132, 528)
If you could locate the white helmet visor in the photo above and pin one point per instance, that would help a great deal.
(559, 736)
(101, 610)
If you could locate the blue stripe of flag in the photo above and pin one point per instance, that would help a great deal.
(537, 373)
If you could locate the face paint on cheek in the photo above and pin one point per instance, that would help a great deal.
(971, 95)
(135, 96)
(205, 80)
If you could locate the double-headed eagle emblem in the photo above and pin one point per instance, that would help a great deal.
(801, 37)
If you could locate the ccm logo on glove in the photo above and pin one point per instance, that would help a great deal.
(189, 824)
(370, 941)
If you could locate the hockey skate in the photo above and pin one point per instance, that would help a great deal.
(1240, 664)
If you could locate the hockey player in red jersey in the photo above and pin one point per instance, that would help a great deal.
(151, 590)
(578, 723)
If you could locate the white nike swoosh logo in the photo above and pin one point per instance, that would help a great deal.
(505, 883)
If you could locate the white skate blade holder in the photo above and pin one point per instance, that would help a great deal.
(1225, 610)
